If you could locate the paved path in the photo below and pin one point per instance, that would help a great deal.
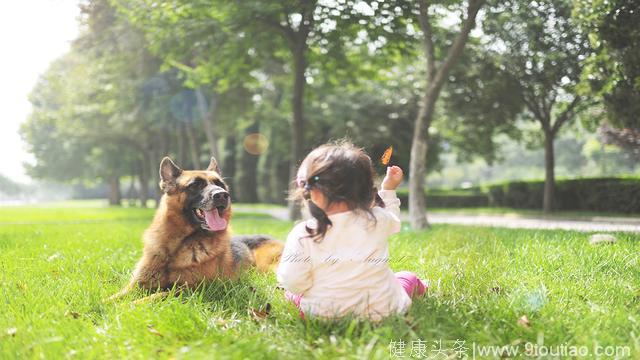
(595, 224)
(506, 221)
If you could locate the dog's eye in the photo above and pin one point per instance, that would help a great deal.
(220, 183)
(196, 184)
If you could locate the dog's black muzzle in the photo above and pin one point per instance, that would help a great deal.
(220, 199)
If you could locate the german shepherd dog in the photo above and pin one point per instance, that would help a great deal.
(189, 240)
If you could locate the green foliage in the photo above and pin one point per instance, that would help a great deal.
(373, 113)
(9, 187)
(131, 88)
(539, 45)
(579, 154)
(195, 38)
(252, 50)
(620, 195)
(481, 100)
(104, 110)
(541, 48)
(613, 70)
(84, 106)
(49, 131)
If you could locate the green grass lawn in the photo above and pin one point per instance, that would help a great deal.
(58, 263)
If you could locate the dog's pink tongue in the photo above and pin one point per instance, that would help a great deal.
(214, 221)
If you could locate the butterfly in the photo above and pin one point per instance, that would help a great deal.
(386, 157)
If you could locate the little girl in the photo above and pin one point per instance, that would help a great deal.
(336, 263)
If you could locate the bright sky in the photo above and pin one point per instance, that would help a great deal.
(32, 34)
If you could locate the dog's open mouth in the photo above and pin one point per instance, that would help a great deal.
(212, 219)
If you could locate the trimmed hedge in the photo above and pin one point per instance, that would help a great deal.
(621, 195)
(448, 199)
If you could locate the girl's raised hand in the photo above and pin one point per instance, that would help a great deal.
(393, 178)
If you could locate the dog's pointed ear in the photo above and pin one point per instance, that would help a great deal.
(213, 165)
(169, 172)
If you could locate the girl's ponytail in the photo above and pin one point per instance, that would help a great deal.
(378, 200)
(321, 218)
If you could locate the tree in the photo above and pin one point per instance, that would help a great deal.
(480, 101)
(234, 31)
(377, 112)
(612, 71)
(116, 53)
(190, 37)
(539, 45)
(436, 75)
(63, 128)
(313, 34)
(59, 153)
(93, 103)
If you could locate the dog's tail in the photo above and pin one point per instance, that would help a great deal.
(266, 250)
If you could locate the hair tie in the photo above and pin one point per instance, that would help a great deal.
(309, 183)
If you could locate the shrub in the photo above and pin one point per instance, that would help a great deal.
(620, 195)
(448, 199)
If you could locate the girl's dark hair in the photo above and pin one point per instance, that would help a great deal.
(343, 173)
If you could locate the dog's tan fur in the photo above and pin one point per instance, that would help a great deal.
(179, 253)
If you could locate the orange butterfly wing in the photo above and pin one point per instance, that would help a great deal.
(386, 157)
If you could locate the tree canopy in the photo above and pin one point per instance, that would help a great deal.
(258, 84)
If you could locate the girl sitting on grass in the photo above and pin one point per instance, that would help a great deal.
(336, 264)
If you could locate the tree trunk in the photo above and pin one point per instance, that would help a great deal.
(115, 197)
(549, 168)
(159, 150)
(282, 182)
(209, 120)
(603, 160)
(297, 128)
(436, 76)
(272, 190)
(266, 169)
(143, 175)
(229, 162)
(193, 144)
(418, 163)
(132, 193)
(248, 176)
(180, 144)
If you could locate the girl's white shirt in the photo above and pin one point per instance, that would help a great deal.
(347, 272)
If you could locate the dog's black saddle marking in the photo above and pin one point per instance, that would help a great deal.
(241, 246)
